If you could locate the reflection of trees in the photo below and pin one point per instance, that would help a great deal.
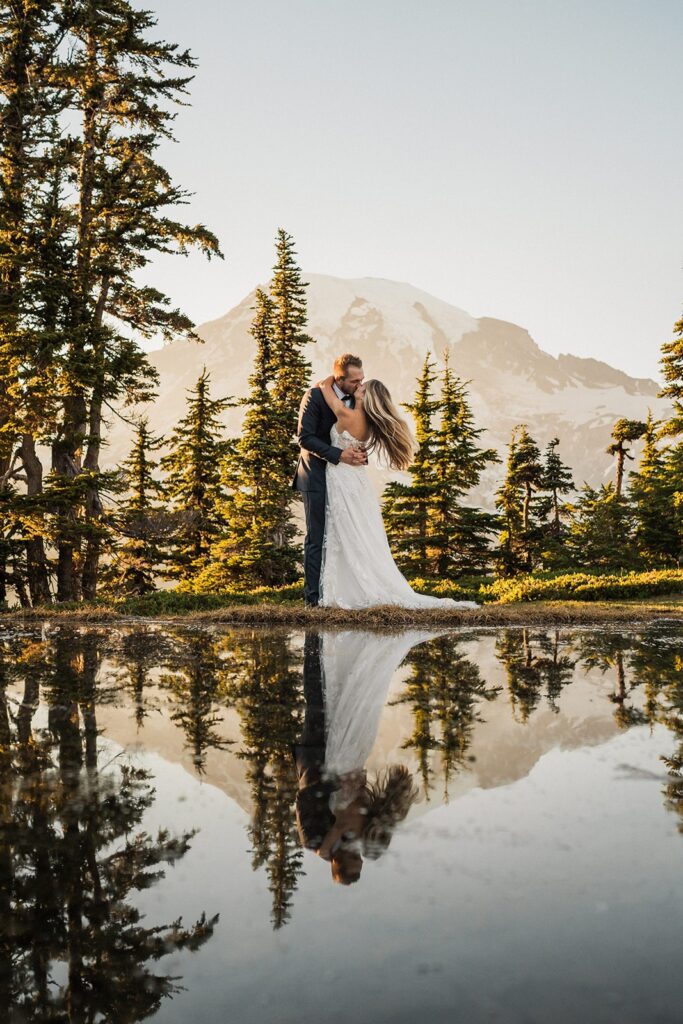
(612, 653)
(72, 943)
(534, 663)
(444, 690)
(657, 665)
(193, 681)
(137, 655)
(264, 686)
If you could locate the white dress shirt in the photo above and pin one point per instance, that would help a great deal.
(338, 392)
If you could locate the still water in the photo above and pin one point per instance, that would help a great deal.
(214, 825)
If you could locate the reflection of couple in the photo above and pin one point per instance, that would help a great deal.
(347, 559)
(340, 814)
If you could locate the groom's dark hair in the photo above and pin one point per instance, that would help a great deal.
(342, 363)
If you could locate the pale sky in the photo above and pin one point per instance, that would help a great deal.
(520, 159)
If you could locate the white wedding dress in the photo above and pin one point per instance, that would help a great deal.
(358, 668)
(358, 569)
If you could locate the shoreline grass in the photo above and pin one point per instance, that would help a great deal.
(523, 613)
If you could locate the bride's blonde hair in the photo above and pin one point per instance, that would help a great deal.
(389, 432)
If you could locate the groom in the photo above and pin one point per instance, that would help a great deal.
(313, 434)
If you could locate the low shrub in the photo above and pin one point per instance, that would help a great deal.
(585, 586)
(176, 602)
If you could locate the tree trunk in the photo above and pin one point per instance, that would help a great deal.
(527, 506)
(36, 561)
(93, 502)
(66, 452)
(66, 463)
(556, 506)
(620, 471)
(525, 522)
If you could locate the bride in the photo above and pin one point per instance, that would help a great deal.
(358, 569)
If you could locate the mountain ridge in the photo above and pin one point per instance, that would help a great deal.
(392, 326)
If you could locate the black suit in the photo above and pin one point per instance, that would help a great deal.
(313, 815)
(313, 435)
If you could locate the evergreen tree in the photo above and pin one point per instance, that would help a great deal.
(138, 555)
(32, 98)
(602, 530)
(121, 81)
(672, 371)
(520, 539)
(193, 481)
(290, 371)
(460, 534)
(290, 368)
(657, 537)
(90, 208)
(258, 544)
(624, 432)
(407, 507)
(557, 480)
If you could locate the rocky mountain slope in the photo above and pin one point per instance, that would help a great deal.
(392, 325)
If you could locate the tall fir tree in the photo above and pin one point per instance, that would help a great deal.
(460, 533)
(672, 371)
(557, 480)
(32, 158)
(95, 92)
(193, 481)
(258, 542)
(291, 375)
(137, 555)
(407, 507)
(291, 370)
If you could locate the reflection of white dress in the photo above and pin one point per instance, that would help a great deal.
(357, 670)
(358, 569)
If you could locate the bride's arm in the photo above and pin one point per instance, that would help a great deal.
(335, 404)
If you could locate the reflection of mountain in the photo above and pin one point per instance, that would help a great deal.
(503, 749)
(392, 325)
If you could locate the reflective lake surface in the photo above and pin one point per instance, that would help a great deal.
(212, 825)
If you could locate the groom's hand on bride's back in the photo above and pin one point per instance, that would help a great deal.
(354, 456)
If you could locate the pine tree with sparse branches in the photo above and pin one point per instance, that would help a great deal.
(624, 433)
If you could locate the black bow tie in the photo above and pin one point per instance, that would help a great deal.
(346, 398)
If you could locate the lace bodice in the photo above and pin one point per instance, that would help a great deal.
(342, 440)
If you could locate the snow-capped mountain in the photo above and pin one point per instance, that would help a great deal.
(392, 325)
